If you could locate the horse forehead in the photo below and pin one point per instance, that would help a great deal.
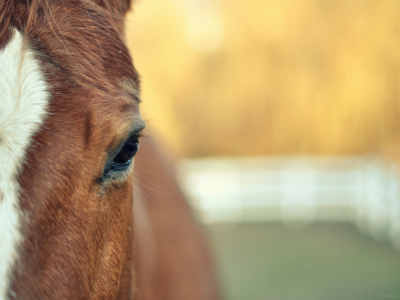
(23, 104)
(91, 66)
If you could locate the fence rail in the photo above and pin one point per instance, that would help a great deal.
(297, 190)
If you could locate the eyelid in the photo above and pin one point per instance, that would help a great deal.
(137, 134)
(137, 128)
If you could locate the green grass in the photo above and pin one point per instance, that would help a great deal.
(326, 261)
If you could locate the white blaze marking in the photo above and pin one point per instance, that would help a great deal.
(23, 103)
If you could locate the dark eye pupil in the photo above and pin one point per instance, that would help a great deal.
(128, 151)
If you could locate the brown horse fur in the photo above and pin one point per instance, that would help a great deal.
(171, 258)
(77, 228)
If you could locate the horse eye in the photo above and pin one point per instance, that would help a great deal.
(124, 158)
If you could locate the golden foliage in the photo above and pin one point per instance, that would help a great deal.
(270, 77)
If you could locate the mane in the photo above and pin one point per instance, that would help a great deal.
(26, 12)
(76, 36)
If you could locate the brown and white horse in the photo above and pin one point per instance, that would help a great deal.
(69, 128)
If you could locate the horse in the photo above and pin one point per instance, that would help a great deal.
(70, 126)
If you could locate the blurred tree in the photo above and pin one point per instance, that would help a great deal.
(270, 77)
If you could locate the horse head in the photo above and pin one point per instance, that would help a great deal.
(69, 129)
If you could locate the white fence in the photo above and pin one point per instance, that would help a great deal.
(297, 190)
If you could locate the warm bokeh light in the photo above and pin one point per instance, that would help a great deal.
(270, 77)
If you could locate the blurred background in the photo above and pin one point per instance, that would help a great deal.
(285, 116)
